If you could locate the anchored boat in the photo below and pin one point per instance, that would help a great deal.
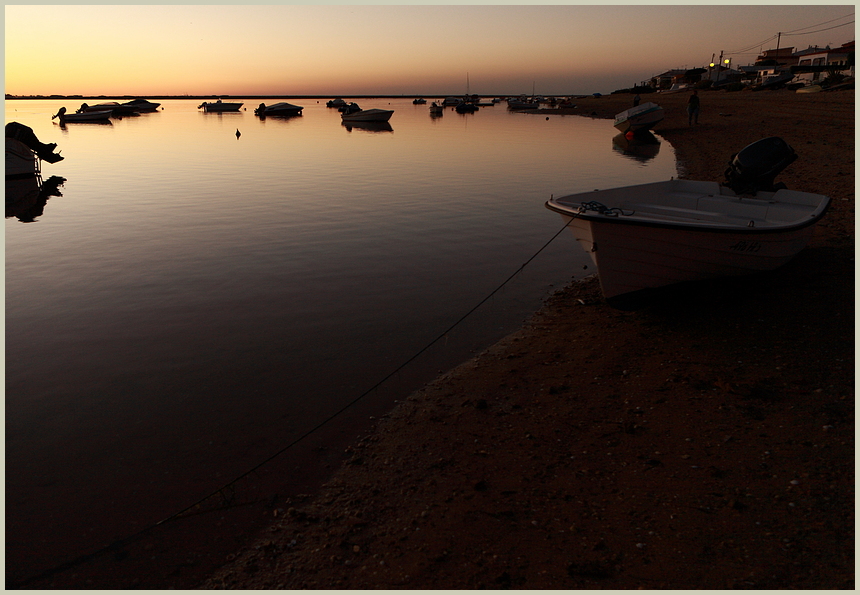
(278, 109)
(367, 115)
(219, 106)
(652, 235)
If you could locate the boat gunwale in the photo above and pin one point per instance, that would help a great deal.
(595, 217)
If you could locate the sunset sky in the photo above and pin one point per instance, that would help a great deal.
(352, 50)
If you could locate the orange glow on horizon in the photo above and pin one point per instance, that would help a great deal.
(394, 50)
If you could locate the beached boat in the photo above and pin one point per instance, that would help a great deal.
(652, 235)
(368, 115)
(219, 106)
(278, 109)
(87, 116)
(809, 89)
(641, 117)
(141, 105)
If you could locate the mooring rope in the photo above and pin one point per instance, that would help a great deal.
(114, 546)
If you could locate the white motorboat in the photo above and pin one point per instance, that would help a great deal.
(219, 106)
(142, 105)
(278, 109)
(652, 235)
(115, 108)
(436, 109)
(338, 102)
(368, 115)
(641, 117)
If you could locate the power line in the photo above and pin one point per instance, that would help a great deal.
(794, 32)
(820, 30)
(752, 46)
(819, 24)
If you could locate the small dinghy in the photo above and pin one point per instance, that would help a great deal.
(651, 235)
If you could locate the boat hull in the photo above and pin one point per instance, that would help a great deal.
(21, 161)
(689, 242)
(88, 116)
(279, 109)
(643, 117)
(371, 115)
(220, 107)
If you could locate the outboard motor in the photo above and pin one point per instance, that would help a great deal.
(756, 165)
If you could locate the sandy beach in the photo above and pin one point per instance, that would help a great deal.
(702, 442)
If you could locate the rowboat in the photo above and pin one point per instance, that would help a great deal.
(652, 235)
(278, 109)
(86, 116)
(219, 106)
(641, 117)
(368, 115)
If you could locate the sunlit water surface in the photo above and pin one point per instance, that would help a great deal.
(195, 301)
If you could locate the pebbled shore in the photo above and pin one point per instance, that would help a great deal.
(702, 442)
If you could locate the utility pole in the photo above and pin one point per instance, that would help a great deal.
(778, 37)
(719, 66)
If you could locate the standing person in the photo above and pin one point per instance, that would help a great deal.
(636, 100)
(693, 109)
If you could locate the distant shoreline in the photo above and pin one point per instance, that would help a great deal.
(106, 97)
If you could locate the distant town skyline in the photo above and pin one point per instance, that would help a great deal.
(389, 50)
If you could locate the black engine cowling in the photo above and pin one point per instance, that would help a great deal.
(756, 165)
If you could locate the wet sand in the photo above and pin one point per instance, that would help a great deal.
(705, 440)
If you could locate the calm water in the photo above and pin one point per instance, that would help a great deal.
(193, 302)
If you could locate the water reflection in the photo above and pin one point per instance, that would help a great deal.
(26, 197)
(62, 123)
(368, 126)
(642, 146)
